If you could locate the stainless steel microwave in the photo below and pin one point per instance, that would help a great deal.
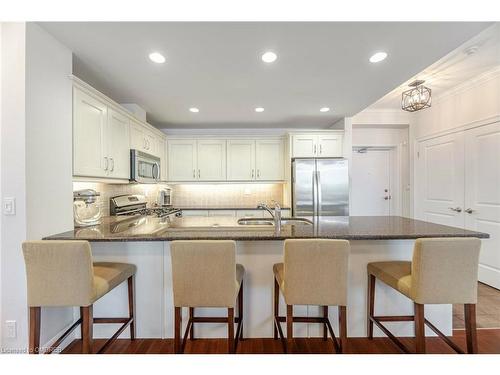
(144, 168)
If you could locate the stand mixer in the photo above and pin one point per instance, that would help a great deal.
(86, 211)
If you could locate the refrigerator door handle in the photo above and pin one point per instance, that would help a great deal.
(314, 192)
(318, 194)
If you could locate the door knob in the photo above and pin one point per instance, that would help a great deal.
(469, 210)
(456, 209)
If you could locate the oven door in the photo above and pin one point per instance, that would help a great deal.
(144, 168)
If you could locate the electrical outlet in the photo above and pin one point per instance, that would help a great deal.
(10, 328)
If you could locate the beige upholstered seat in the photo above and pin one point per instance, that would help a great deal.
(314, 272)
(443, 270)
(205, 273)
(61, 273)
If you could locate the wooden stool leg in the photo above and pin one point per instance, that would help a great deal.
(191, 330)
(371, 304)
(276, 306)
(419, 327)
(343, 328)
(230, 330)
(240, 309)
(86, 314)
(325, 327)
(177, 329)
(470, 327)
(34, 326)
(131, 304)
(289, 328)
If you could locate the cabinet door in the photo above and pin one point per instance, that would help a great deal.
(240, 160)
(163, 158)
(151, 143)
(269, 160)
(118, 145)
(482, 196)
(304, 145)
(181, 160)
(211, 160)
(137, 141)
(329, 145)
(89, 136)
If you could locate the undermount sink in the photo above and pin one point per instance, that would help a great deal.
(284, 221)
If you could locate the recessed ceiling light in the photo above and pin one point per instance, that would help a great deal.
(157, 57)
(194, 110)
(324, 109)
(378, 57)
(269, 57)
(259, 109)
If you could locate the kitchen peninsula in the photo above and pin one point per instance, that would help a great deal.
(145, 242)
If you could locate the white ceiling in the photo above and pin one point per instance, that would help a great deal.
(453, 69)
(217, 68)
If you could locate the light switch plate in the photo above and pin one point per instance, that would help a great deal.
(11, 329)
(9, 206)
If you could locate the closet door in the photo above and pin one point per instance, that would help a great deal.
(439, 183)
(482, 196)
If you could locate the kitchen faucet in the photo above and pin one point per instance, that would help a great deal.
(276, 214)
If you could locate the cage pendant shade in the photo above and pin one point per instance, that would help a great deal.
(416, 98)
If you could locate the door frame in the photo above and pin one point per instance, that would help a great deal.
(396, 174)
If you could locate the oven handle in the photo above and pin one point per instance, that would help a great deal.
(157, 175)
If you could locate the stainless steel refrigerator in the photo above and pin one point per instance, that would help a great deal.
(320, 187)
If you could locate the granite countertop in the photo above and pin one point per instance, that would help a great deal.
(151, 228)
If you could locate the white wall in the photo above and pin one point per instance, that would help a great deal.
(476, 100)
(36, 162)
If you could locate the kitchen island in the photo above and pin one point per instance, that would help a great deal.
(145, 241)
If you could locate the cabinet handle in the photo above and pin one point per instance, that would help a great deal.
(106, 163)
(456, 209)
(320, 149)
(469, 210)
(253, 173)
(314, 150)
(258, 173)
(199, 173)
(194, 173)
(112, 164)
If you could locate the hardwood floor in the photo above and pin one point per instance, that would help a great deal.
(487, 309)
(489, 342)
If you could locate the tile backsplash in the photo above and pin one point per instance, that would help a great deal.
(192, 195)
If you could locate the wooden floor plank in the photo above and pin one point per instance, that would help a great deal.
(488, 341)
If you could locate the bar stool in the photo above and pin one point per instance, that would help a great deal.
(61, 273)
(314, 272)
(443, 271)
(205, 274)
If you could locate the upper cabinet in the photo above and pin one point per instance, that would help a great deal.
(317, 145)
(100, 139)
(211, 159)
(261, 159)
(104, 133)
(181, 160)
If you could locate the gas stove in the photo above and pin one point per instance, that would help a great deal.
(136, 204)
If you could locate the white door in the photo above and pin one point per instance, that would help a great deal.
(118, 145)
(240, 160)
(211, 160)
(182, 160)
(269, 160)
(371, 183)
(482, 196)
(439, 182)
(89, 136)
(304, 145)
(330, 145)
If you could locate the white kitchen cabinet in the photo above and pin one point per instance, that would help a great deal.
(144, 140)
(118, 145)
(90, 117)
(269, 160)
(317, 145)
(182, 160)
(240, 160)
(211, 160)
